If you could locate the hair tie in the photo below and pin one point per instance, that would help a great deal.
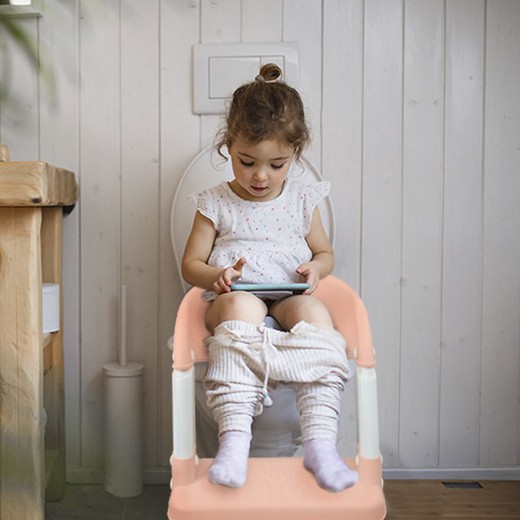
(263, 80)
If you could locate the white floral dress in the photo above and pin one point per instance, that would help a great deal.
(269, 234)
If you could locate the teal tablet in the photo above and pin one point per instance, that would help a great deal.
(294, 288)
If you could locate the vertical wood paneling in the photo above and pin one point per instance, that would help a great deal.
(381, 203)
(341, 154)
(501, 261)
(139, 197)
(462, 235)
(341, 126)
(19, 122)
(100, 190)
(220, 22)
(422, 232)
(392, 100)
(179, 133)
(262, 21)
(302, 23)
(59, 143)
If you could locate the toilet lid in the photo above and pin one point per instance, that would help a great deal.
(207, 169)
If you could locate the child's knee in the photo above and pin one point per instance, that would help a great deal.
(302, 308)
(236, 305)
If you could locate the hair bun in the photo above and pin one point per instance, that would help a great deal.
(269, 73)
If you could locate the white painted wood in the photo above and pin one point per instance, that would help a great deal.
(139, 195)
(302, 23)
(262, 21)
(220, 21)
(501, 234)
(19, 110)
(422, 232)
(462, 402)
(462, 235)
(381, 203)
(341, 156)
(179, 135)
(60, 142)
(341, 125)
(100, 214)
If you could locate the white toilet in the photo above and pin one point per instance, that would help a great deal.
(276, 431)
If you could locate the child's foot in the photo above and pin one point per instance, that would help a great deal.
(230, 465)
(322, 459)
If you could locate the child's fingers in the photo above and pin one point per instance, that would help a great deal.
(240, 263)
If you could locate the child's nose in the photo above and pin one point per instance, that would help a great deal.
(261, 173)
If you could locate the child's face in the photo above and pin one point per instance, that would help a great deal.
(260, 169)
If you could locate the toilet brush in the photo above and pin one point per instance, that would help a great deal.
(123, 419)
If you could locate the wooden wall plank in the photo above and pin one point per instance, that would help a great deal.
(302, 23)
(422, 232)
(139, 201)
(19, 110)
(262, 21)
(501, 228)
(462, 235)
(179, 137)
(220, 22)
(381, 203)
(100, 221)
(352, 81)
(59, 143)
(341, 124)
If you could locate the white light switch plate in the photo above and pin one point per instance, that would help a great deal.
(218, 69)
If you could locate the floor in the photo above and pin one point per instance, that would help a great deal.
(92, 502)
(406, 500)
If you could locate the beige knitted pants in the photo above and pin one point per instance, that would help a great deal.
(245, 359)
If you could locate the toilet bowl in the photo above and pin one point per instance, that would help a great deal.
(276, 431)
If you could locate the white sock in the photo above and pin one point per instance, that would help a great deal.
(230, 465)
(322, 459)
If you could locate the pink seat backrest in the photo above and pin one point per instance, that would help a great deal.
(347, 309)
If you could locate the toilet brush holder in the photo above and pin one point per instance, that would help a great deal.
(124, 449)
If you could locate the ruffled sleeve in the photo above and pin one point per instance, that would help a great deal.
(205, 203)
(312, 195)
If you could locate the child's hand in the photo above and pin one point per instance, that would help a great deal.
(309, 273)
(228, 276)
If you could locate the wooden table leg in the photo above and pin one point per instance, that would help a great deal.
(54, 395)
(21, 366)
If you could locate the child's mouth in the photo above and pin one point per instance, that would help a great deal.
(258, 189)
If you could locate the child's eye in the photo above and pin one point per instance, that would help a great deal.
(277, 166)
(246, 164)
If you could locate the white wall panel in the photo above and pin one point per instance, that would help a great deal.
(501, 234)
(19, 126)
(100, 218)
(381, 202)
(139, 201)
(416, 121)
(179, 142)
(422, 227)
(60, 144)
(462, 235)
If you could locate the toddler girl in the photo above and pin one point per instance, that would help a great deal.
(264, 227)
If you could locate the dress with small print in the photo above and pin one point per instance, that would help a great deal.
(270, 235)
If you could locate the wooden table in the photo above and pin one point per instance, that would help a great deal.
(32, 441)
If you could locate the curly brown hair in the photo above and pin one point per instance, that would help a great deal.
(266, 108)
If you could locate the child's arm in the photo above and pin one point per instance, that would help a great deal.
(322, 261)
(195, 269)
